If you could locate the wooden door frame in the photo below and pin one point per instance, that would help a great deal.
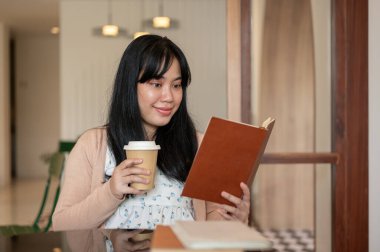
(349, 55)
(350, 124)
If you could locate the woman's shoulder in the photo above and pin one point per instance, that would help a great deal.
(93, 133)
(94, 137)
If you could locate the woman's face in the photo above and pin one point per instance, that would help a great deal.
(159, 99)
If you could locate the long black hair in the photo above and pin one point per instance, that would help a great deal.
(149, 57)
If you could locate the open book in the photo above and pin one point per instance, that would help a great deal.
(230, 153)
(219, 235)
(208, 236)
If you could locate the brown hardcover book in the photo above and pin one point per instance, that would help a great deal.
(230, 153)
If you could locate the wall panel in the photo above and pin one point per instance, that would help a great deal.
(37, 103)
(88, 62)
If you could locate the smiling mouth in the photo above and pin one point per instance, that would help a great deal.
(164, 111)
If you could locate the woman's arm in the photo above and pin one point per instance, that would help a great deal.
(78, 207)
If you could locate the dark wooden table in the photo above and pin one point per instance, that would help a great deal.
(76, 241)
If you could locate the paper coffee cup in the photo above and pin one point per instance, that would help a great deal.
(147, 151)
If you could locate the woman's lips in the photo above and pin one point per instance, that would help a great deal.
(164, 111)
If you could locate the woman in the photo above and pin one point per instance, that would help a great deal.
(148, 103)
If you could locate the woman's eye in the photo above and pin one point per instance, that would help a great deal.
(178, 85)
(155, 84)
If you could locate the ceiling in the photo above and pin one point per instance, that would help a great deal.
(29, 17)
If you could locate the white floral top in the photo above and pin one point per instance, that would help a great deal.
(161, 205)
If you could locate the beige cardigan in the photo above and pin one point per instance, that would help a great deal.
(86, 201)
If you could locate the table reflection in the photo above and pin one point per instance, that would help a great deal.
(118, 240)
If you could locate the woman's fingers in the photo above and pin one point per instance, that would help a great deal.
(131, 190)
(125, 174)
(237, 201)
(229, 209)
(132, 233)
(124, 235)
(140, 245)
(241, 209)
(121, 241)
(246, 192)
(225, 214)
(135, 179)
(130, 163)
(134, 171)
(231, 212)
(231, 198)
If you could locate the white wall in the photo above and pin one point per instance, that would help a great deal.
(37, 103)
(374, 126)
(88, 63)
(5, 158)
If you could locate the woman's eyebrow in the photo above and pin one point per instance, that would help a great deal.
(163, 77)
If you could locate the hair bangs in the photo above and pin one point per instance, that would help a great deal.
(156, 63)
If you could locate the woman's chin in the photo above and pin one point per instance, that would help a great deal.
(162, 121)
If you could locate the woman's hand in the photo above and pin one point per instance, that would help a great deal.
(125, 174)
(122, 240)
(241, 211)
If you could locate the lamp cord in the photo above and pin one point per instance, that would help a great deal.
(161, 9)
(109, 12)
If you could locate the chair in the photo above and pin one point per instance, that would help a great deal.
(66, 146)
(43, 221)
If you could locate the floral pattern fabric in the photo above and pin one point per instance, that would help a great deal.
(161, 205)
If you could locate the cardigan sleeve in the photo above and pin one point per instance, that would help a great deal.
(78, 207)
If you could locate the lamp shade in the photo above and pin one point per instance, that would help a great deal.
(161, 22)
(55, 30)
(110, 30)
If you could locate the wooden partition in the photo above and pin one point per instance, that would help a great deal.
(284, 195)
(350, 125)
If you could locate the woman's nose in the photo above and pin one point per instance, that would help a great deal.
(167, 94)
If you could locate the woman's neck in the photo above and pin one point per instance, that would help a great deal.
(150, 133)
(150, 137)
